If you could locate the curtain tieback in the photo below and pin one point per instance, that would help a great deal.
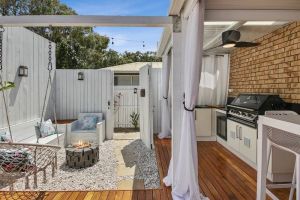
(189, 110)
(166, 98)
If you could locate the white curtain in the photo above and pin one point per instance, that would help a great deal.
(165, 118)
(214, 80)
(185, 178)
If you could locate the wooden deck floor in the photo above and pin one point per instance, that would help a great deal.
(222, 176)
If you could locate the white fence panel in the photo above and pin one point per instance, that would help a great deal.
(23, 47)
(126, 102)
(156, 98)
(93, 94)
(146, 112)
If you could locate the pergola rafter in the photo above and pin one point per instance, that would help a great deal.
(85, 21)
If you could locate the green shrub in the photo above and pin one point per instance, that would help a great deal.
(135, 119)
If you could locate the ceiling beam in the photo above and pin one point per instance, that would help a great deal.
(252, 15)
(164, 41)
(85, 21)
(176, 6)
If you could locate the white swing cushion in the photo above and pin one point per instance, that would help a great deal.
(46, 129)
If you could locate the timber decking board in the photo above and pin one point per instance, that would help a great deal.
(222, 175)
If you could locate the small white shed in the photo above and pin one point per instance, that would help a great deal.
(126, 95)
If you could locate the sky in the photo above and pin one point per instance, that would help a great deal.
(125, 39)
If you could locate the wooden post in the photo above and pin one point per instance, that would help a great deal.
(177, 85)
(110, 107)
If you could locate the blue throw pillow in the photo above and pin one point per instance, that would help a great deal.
(88, 122)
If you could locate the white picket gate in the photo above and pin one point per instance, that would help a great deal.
(126, 102)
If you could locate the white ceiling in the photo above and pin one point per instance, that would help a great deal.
(249, 32)
(252, 4)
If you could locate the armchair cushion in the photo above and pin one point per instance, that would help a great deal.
(98, 115)
(88, 122)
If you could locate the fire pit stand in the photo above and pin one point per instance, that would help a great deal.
(82, 157)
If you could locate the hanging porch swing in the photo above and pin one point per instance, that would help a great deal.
(22, 160)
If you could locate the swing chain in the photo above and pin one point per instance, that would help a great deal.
(49, 32)
(1, 39)
(50, 56)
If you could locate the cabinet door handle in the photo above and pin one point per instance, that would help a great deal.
(240, 133)
(237, 131)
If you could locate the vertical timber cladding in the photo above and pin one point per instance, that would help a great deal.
(272, 67)
(92, 94)
(23, 47)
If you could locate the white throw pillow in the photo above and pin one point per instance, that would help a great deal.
(5, 137)
(47, 128)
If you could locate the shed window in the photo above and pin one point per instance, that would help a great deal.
(126, 79)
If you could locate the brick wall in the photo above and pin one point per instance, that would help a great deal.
(272, 67)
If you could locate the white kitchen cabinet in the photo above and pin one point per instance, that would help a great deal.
(232, 135)
(248, 140)
(203, 117)
(243, 139)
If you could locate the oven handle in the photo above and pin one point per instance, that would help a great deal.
(240, 133)
(237, 134)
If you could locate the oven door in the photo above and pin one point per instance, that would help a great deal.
(222, 127)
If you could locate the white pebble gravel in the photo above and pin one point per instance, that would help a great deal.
(103, 175)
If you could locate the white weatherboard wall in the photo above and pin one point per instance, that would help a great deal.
(23, 47)
(155, 84)
(93, 94)
(89, 95)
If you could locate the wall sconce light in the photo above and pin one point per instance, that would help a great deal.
(80, 76)
(23, 71)
(135, 90)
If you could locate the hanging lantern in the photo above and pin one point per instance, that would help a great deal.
(80, 76)
(23, 71)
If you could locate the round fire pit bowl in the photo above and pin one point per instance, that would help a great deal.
(82, 157)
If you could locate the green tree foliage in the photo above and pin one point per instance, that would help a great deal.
(76, 47)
